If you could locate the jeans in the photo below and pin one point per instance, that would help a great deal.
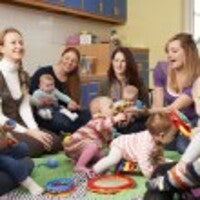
(61, 123)
(133, 127)
(179, 144)
(11, 163)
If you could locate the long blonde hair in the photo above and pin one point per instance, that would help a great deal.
(191, 65)
(23, 76)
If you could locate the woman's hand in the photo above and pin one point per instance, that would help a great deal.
(72, 105)
(46, 101)
(43, 137)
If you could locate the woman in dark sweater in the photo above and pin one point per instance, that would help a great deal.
(67, 81)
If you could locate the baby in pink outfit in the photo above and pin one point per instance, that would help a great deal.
(86, 143)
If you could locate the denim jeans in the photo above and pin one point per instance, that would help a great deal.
(12, 162)
(61, 123)
(179, 144)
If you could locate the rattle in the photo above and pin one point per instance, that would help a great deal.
(181, 122)
(51, 163)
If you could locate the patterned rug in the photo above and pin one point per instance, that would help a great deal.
(80, 180)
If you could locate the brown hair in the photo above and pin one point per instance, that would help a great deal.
(23, 76)
(131, 72)
(159, 122)
(73, 78)
(192, 62)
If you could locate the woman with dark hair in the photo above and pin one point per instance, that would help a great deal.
(67, 80)
(123, 71)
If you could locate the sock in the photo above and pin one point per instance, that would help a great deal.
(32, 186)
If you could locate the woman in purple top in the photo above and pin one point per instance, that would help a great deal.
(173, 81)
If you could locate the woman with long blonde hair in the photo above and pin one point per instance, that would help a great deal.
(173, 79)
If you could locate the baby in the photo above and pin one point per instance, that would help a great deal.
(86, 144)
(144, 148)
(130, 104)
(11, 154)
(47, 90)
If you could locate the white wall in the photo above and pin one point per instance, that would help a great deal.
(45, 33)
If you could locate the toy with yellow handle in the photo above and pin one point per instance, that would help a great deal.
(181, 122)
(67, 139)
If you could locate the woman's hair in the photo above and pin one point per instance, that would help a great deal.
(131, 71)
(159, 122)
(73, 78)
(192, 62)
(22, 74)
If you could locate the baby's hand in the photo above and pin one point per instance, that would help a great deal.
(72, 105)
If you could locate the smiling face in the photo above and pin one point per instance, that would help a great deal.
(175, 54)
(119, 64)
(12, 47)
(69, 61)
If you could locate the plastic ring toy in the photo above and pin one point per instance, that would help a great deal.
(60, 185)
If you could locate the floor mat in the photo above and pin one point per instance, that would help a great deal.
(80, 180)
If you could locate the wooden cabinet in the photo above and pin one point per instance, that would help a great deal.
(101, 53)
(112, 11)
(89, 88)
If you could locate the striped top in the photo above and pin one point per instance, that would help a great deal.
(140, 148)
(98, 130)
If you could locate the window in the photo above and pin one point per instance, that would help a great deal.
(192, 18)
(196, 24)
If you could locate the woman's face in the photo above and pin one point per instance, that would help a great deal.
(13, 47)
(175, 54)
(69, 61)
(119, 63)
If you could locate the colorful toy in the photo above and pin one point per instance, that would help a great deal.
(110, 184)
(125, 166)
(60, 187)
(181, 122)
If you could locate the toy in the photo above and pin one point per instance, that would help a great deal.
(6, 135)
(110, 184)
(125, 166)
(51, 163)
(119, 106)
(60, 187)
(181, 122)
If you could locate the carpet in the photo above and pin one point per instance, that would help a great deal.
(42, 174)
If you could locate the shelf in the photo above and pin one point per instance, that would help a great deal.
(37, 4)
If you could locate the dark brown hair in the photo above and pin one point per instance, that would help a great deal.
(131, 72)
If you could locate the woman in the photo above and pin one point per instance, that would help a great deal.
(15, 100)
(66, 75)
(173, 81)
(123, 71)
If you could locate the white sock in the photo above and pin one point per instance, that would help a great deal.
(32, 186)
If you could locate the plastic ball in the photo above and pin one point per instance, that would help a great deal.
(52, 163)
